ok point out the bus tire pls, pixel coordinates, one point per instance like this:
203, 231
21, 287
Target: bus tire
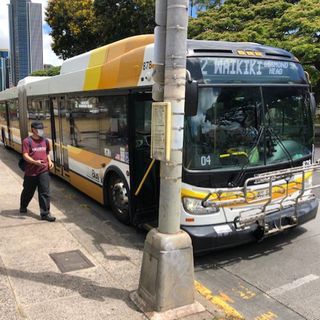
118, 196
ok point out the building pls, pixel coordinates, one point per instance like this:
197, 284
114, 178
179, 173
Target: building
26, 42
4, 69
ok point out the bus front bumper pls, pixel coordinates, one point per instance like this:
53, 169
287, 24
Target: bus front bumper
214, 237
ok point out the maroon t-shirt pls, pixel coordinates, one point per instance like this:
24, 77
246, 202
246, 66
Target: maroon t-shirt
38, 151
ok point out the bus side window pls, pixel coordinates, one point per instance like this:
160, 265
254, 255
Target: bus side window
83, 123
113, 127
3, 114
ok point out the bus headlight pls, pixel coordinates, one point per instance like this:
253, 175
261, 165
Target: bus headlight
194, 206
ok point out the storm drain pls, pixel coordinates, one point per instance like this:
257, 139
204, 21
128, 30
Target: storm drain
71, 261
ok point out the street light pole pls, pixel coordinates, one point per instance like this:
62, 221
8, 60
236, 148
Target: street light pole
167, 273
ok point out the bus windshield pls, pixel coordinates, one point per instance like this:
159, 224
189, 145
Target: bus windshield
248, 126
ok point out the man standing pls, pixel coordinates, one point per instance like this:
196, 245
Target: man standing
35, 151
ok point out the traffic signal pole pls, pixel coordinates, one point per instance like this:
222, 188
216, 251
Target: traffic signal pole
166, 286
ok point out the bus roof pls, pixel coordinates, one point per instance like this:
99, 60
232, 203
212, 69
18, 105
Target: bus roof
128, 63
105, 54
9, 94
226, 48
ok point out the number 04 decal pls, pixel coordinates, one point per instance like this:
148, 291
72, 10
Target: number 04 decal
205, 160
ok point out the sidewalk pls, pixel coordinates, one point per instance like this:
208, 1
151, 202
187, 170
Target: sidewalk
31, 284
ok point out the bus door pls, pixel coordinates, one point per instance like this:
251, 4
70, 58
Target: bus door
144, 186
11, 120
6, 133
60, 135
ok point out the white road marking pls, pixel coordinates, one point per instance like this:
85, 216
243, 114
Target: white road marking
293, 285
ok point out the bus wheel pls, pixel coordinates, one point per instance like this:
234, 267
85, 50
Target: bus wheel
118, 195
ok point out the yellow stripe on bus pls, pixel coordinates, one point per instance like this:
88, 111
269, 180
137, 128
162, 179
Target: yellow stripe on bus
278, 191
117, 65
93, 73
91, 189
88, 158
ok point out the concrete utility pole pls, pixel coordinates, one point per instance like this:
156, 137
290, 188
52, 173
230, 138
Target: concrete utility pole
167, 273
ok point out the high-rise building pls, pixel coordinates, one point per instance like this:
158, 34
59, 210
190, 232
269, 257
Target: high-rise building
26, 42
4, 69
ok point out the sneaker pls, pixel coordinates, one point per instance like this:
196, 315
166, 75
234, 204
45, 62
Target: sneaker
48, 217
23, 210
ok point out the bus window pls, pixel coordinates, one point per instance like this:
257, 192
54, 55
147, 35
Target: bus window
44, 116
13, 114
99, 124
3, 115
113, 134
225, 131
84, 123
289, 117
32, 112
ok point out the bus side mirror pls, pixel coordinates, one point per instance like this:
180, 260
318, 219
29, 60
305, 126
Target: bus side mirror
191, 98
313, 103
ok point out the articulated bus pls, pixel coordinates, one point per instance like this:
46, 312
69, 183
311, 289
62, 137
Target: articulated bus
248, 139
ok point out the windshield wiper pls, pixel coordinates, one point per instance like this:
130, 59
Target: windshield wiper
240, 174
281, 145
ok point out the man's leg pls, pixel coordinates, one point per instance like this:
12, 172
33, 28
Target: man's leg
29, 187
44, 196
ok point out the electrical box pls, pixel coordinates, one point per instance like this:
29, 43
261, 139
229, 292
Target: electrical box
161, 131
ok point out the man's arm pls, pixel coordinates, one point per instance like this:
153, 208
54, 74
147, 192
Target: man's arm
30, 160
50, 164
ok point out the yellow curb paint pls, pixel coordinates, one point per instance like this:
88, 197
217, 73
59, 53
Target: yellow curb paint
220, 301
267, 316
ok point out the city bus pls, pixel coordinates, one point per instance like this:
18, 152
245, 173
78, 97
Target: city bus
248, 155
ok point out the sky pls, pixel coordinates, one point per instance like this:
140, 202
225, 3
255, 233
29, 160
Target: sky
49, 57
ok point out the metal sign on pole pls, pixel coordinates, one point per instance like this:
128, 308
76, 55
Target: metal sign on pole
161, 131
167, 273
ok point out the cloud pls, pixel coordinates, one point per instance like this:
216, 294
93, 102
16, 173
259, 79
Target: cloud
4, 30
49, 57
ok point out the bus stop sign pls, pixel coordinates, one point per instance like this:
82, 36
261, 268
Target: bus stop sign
161, 131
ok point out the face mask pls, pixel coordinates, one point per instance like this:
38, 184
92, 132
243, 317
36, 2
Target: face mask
40, 132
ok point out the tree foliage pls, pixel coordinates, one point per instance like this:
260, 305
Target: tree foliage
239, 20
118, 19
53, 71
290, 24
81, 25
300, 27
73, 25
203, 4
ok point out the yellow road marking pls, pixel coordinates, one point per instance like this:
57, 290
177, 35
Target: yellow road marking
267, 316
244, 293
221, 301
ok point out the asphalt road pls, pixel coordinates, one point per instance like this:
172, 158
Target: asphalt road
278, 278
